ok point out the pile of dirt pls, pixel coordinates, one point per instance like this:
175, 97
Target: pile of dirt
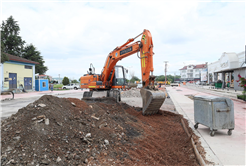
60, 131
131, 93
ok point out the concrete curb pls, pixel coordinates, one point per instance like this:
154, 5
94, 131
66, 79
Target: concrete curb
216, 92
210, 155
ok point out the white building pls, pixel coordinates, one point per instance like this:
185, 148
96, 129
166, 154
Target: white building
192, 72
227, 69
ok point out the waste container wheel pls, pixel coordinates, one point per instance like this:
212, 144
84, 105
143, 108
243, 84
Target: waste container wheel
196, 125
229, 132
212, 133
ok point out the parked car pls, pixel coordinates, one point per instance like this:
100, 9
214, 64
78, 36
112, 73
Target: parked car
175, 83
71, 86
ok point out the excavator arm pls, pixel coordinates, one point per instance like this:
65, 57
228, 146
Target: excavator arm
145, 47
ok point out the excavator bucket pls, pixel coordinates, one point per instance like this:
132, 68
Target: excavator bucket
152, 101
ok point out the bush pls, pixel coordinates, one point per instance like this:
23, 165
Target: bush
242, 83
243, 97
65, 81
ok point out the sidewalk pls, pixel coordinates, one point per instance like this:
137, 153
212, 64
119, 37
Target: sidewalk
221, 149
228, 92
39, 93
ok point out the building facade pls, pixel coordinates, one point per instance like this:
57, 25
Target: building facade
227, 68
192, 72
17, 73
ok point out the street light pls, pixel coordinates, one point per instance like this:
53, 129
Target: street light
165, 72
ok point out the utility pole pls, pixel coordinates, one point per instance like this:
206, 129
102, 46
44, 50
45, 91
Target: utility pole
165, 72
174, 76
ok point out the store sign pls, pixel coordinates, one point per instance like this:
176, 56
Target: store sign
224, 65
224, 61
204, 76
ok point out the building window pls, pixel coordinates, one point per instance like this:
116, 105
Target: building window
44, 84
190, 71
28, 67
197, 70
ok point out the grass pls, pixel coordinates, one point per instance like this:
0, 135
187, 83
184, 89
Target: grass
58, 86
56, 89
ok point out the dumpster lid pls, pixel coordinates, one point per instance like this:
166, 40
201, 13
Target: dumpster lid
210, 98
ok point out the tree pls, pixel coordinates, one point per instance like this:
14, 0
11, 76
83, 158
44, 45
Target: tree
170, 78
74, 81
30, 52
11, 42
134, 78
4, 57
65, 81
132, 73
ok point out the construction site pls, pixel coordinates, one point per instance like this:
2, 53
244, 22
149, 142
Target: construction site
99, 131
110, 122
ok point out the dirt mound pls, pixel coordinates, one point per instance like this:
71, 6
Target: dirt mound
60, 131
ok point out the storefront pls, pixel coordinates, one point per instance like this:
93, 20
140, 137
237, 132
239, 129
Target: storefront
227, 68
17, 73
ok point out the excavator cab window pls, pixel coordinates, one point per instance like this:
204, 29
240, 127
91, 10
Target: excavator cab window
119, 76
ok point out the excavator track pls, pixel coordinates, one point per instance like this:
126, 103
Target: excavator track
152, 101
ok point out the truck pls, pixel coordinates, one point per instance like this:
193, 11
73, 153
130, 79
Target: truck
71, 86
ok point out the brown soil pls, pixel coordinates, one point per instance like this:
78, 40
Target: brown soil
94, 132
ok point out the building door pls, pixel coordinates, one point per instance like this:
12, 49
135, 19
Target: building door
28, 83
12, 80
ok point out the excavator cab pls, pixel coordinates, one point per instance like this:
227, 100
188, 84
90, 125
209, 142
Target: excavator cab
119, 76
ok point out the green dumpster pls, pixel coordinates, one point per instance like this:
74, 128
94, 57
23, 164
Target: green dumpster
218, 85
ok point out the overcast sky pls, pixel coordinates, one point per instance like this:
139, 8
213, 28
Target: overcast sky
71, 35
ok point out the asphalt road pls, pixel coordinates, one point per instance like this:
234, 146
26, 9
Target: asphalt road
9, 107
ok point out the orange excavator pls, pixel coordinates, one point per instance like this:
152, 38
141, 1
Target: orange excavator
112, 79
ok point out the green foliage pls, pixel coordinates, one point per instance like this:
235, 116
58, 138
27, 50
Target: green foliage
65, 81
74, 81
58, 85
134, 78
242, 83
30, 52
48, 78
243, 97
10, 40
12, 43
170, 78
4, 57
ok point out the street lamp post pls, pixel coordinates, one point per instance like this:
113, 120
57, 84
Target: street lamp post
165, 72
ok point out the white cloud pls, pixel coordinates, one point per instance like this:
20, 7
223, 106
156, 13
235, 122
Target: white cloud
71, 35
